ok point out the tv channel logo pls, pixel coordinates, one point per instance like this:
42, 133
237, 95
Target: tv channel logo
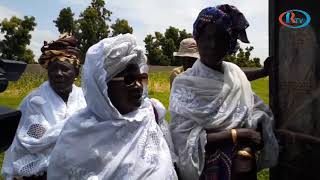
295, 18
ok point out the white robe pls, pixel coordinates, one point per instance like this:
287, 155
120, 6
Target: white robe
44, 113
202, 98
101, 144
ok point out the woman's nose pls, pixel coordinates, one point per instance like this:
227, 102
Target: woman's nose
59, 73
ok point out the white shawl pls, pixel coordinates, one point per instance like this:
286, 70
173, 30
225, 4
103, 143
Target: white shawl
100, 143
44, 114
202, 98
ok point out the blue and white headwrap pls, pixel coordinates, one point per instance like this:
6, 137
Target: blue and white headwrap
229, 18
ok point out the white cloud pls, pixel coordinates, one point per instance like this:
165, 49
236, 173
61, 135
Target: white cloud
148, 16
8, 13
75, 2
38, 36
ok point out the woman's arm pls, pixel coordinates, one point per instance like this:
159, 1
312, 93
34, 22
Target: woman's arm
259, 73
221, 138
255, 74
244, 136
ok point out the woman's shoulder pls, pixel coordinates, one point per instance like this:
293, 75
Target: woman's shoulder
81, 119
36, 96
230, 64
77, 89
159, 107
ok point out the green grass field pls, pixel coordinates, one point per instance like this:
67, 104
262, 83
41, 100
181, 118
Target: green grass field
158, 88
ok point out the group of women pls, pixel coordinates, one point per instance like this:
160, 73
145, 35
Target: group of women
111, 129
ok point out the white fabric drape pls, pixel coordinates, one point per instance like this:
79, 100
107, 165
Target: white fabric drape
202, 98
44, 114
101, 144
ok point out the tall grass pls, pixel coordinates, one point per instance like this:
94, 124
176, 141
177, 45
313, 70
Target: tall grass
27, 83
24, 85
159, 86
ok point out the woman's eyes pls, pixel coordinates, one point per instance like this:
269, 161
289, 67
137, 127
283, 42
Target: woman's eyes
129, 79
65, 69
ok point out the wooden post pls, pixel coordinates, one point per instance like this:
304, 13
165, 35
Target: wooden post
295, 89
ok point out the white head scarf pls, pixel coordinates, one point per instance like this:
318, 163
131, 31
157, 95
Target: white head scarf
100, 143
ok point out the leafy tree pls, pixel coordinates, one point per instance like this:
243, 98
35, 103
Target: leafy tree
28, 57
92, 25
173, 34
160, 47
121, 26
168, 47
16, 38
183, 35
154, 53
65, 21
257, 62
242, 58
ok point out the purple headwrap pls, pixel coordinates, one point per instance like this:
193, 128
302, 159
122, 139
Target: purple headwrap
229, 18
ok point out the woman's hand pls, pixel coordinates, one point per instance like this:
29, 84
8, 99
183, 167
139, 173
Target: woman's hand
249, 137
267, 66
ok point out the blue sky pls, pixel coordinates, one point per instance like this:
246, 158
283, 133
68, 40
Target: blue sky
145, 16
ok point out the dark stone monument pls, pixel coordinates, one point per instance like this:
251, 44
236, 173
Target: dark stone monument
295, 91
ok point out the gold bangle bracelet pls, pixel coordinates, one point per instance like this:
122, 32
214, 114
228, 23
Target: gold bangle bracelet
234, 136
245, 154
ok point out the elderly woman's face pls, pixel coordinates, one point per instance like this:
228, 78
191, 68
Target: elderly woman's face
213, 44
61, 76
125, 90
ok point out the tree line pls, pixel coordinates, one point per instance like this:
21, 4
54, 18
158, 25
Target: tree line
94, 24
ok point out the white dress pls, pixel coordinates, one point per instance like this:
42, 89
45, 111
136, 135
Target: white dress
44, 113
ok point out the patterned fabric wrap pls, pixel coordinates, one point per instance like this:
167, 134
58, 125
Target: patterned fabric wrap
226, 16
218, 165
202, 98
65, 49
54, 55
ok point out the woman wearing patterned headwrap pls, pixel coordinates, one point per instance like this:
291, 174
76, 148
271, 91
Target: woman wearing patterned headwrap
218, 124
45, 110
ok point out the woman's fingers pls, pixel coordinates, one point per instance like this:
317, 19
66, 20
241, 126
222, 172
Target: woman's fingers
249, 136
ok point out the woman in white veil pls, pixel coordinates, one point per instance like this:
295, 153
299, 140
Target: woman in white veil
117, 136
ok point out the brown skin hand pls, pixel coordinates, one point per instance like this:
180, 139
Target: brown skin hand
260, 73
123, 97
61, 78
245, 138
